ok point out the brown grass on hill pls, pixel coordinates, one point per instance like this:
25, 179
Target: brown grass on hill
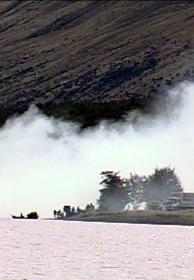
58, 54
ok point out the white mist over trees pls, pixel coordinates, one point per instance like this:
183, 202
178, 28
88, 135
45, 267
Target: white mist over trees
46, 162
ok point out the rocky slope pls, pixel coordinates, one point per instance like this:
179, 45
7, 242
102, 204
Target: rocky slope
88, 60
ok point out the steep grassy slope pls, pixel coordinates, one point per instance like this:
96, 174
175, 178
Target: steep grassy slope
89, 60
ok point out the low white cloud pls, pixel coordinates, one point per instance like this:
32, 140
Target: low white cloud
46, 163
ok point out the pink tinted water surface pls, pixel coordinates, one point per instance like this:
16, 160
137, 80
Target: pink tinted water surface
57, 250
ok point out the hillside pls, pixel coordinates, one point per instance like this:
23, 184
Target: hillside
89, 60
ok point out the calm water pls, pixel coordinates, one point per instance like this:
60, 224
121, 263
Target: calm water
57, 250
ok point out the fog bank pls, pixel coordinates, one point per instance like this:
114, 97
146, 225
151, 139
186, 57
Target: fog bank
46, 163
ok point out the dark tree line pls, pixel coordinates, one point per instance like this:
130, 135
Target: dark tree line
69, 211
117, 192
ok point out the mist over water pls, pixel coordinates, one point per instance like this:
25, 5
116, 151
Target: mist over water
46, 163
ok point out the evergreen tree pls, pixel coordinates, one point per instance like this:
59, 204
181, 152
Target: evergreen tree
114, 194
162, 184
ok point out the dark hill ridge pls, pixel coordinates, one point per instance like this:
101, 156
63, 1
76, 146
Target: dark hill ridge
88, 60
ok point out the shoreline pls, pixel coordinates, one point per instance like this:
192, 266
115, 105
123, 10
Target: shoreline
181, 217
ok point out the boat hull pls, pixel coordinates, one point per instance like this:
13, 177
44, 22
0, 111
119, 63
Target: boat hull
23, 218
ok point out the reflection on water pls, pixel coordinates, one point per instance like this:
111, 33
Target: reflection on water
57, 250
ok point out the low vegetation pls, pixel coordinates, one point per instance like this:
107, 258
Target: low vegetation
184, 217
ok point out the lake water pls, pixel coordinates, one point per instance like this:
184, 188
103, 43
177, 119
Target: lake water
57, 250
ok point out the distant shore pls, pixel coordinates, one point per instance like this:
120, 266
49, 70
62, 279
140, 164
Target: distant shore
181, 217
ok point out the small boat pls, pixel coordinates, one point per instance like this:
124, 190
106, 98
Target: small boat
17, 217
32, 215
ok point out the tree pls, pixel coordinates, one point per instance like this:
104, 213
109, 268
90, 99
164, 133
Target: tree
161, 184
73, 211
79, 210
135, 185
114, 194
90, 208
67, 210
59, 214
55, 214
